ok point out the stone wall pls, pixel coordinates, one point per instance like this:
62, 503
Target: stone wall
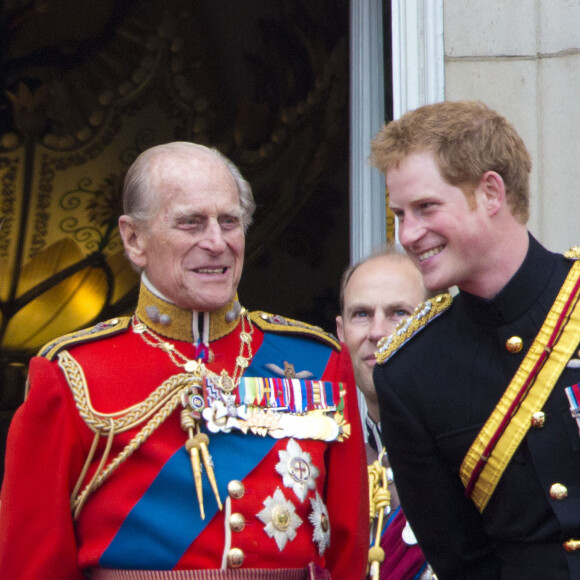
522, 58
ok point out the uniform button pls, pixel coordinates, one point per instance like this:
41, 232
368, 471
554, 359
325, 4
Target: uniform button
514, 344
237, 522
235, 558
572, 545
538, 419
558, 491
236, 489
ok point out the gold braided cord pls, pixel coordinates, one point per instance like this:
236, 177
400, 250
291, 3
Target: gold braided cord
573, 253
129, 449
126, 418
88, 462
91, 486
155, 409
379, 501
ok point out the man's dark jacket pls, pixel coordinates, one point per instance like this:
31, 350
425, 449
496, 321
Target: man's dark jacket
435, 394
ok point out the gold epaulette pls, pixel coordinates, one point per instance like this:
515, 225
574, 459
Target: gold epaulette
100, 330
276, 323
406, 329
573, 253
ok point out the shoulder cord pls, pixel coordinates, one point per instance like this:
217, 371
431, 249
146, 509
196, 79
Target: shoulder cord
379, 500
158, 405
423, 314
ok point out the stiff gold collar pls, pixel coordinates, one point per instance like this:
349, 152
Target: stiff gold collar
171, 321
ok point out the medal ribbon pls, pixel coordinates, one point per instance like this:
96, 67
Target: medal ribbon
573, 394
291, 395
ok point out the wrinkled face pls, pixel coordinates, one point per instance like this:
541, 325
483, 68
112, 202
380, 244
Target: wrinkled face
192, 250
445, 236
380, 293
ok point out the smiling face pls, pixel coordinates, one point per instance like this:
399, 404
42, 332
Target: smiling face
446, 234
380, 293
192, 250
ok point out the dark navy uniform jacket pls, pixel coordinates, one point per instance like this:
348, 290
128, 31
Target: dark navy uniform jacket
435, 394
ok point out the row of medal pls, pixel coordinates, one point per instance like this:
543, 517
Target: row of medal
223, 412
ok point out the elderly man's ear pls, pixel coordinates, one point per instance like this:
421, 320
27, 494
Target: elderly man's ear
133, 237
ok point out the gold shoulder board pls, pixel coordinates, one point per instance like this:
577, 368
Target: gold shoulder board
100, 330
406, 329
573, 253
276, 323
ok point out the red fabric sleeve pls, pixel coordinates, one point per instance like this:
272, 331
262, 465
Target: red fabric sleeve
44, 455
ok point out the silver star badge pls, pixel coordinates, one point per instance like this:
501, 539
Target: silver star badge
296, 468
320, 521
280, 518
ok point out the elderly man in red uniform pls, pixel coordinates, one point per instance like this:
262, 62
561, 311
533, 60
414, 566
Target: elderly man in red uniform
193, 439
